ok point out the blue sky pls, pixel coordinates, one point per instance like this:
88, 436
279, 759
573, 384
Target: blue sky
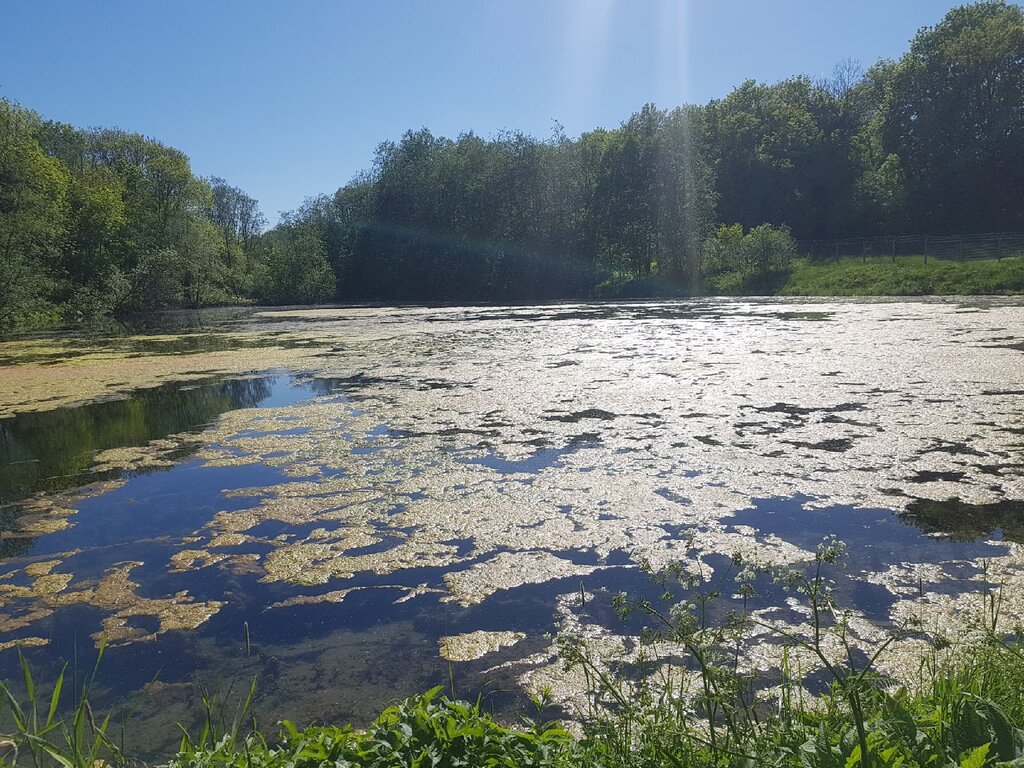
288, 99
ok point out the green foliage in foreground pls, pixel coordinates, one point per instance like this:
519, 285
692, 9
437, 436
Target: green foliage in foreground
970, 716
699, 708
907, 277
425, 730
966, 707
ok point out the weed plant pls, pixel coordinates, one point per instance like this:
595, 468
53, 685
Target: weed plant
425, 730
967, 709
41, 733
687, 699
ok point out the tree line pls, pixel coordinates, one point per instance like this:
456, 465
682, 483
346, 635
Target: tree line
671, 200
103, 221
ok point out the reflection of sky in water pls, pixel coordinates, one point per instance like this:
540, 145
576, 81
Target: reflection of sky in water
171, 503
643, 419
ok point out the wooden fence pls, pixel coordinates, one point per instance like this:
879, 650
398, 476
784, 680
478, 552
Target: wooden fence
996, 245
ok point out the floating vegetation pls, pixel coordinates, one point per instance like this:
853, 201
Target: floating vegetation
474, 645
507, 570
41, 516
484, 453
156, 454
73, 377
117, 593
24, 642
42, 568
191, 559
114, 593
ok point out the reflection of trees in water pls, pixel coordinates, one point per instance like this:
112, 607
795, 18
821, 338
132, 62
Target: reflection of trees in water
53, 450
330, 386
11, 546
968, 522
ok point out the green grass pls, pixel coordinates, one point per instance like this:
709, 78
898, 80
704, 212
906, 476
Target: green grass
969, 715
908, 276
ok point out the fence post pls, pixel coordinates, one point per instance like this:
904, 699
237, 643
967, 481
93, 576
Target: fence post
999, 249
926, 249
894, 250
960, 249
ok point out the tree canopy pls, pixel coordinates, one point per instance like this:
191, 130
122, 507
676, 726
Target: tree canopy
97, 221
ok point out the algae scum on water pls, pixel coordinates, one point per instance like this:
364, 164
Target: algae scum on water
378, 493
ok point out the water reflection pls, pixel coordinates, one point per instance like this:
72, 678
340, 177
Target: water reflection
968, 522
51, 451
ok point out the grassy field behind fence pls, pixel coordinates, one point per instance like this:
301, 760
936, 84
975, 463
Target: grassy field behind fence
906, 276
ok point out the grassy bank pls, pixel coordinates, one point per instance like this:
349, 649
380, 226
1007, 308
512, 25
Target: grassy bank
954, 724
851, 276
908, 276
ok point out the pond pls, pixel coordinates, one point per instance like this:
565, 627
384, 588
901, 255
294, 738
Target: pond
355, 504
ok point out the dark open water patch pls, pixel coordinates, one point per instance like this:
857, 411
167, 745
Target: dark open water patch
878, 537
171, 502
539, 460
968, 522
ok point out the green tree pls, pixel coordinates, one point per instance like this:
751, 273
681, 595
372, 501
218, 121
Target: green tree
33, 216
237, 216
292, 267
735, 262
953, 117
767, 143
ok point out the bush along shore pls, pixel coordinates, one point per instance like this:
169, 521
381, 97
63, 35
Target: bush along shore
686, 700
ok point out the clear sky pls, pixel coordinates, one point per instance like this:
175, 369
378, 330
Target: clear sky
288, 98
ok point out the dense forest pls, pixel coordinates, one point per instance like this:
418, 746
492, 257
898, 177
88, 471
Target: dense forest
99, 221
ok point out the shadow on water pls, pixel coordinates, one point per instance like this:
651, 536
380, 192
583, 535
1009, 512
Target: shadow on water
876, 539
879, 537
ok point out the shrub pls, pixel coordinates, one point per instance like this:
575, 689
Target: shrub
755, 262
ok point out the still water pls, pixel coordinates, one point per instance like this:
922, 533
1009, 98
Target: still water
317, 497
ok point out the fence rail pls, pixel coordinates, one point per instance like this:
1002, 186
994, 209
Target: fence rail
994, 245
